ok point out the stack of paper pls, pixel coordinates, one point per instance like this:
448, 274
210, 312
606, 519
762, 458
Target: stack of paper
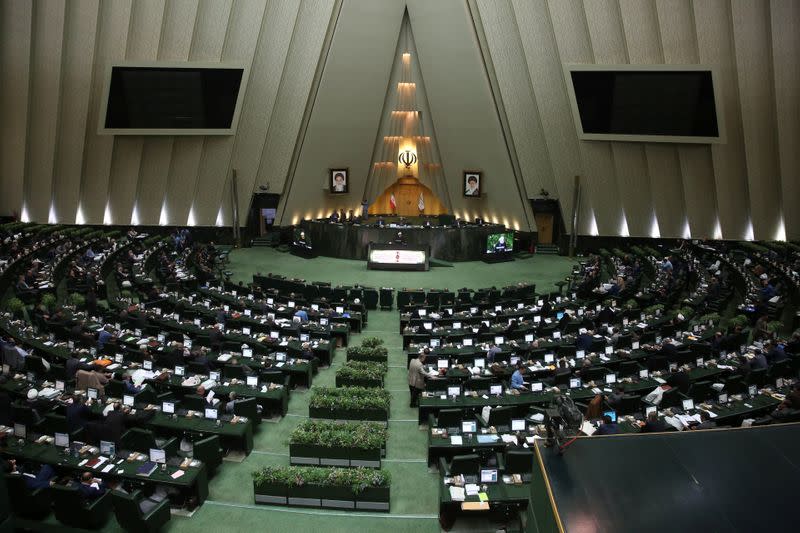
457, 494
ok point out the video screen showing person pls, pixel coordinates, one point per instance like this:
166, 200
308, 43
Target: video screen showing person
500, 243
301, 238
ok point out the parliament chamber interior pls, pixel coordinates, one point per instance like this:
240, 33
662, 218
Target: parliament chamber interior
360, 265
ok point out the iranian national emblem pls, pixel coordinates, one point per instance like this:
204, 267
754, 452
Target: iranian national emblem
397, 257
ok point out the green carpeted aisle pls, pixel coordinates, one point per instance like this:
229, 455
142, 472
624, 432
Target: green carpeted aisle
414, 492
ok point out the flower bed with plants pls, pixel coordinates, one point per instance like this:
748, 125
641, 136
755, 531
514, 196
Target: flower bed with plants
309, 486
361, 374
327, 443
349, 403
371, 349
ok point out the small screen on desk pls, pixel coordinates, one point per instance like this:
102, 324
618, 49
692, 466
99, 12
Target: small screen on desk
252, 381
574, 383
168, 408
518, 424
480, 362
468, 342
469, 426
442, 363
213, 376
495, 390
611, 414
499, 340
688, 405
127, 399
62, 440
158, 456
537, 387
489, 476
611, 378
529, 337
211, 413
454, 391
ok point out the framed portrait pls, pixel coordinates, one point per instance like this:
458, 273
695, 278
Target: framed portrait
338, 180
472, 183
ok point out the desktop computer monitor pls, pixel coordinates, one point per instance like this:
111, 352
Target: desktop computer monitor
245, 331
270, 301
611, 379
147, 365
168, 407
473, 310
559, 315
305, 337
537, 387
213, 375
574, 383
179, 370
161, 338
454, 391
290, 305
315, 307
611, 414
252, 381
456, 325
247, 352
688, 405
722, 398
518, 424
529, 337
435, 343
280, 356
211, 414
495, 390
499, 340
489, 475
609, 350
62, 440
549, 358
323, 321
127, 400
752, 390
469, 426
422, 312
480, 362
498, 308
442, 363
20, 431
513, 360
91, 393
107, 448
556, 334
644, 373
580, 354
339, 309
158, 456
468, 342
274, 334
59, 384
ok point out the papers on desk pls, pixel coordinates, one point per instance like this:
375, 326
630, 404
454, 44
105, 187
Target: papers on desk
177, 474
509, 439
224, 357
457, 494
107, 468
659, 380
588, 428
456, 440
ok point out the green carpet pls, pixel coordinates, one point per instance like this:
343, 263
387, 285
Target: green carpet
414, 491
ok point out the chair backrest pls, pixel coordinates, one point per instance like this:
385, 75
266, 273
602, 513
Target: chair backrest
126, 509
757, 377
449, 418
500, 416
670, 398
115, 388
208, 451
71, 509
629, 404
519, 461
468, 464
23, 414
233, 372
628, 368
247, 407
138, 439
273, 376
193, 402
197, 368
700, 390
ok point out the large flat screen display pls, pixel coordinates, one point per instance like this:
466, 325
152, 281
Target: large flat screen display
172, 99
644, 105
497, 243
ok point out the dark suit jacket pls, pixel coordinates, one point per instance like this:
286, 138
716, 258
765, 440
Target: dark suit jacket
654, 427
90, 493
77, 416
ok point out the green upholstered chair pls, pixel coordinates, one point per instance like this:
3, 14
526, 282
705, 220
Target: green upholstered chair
72, 510
130, 516
208, 451
25, 502
247, 407
141, 440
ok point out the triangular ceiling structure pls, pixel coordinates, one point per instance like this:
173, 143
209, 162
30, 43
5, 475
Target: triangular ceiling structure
348, 110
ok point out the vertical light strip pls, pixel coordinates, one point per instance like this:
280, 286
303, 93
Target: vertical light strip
79, 218
51, 216
780, 235
135, 215
655, 231
593, 224
162, 218
107, 214
687, 230
717, 229
221, 221
24, 217
623, 227
748, 234
190, 219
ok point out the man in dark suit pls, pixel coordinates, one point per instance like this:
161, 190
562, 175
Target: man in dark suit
679, 380
584, 341
77, 414
215, 338
91, 488
654, 424
74, 364
607, 427
775, 352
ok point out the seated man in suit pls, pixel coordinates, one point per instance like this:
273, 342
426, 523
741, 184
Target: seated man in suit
607, 427
91, 487
584, 340
654, 424
78, 414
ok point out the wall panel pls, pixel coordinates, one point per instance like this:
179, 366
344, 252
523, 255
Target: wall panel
16, 22
753, 46
111, 43
785, 19
80, 31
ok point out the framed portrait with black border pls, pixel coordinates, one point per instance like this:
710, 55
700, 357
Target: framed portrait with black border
339, 179
472, 183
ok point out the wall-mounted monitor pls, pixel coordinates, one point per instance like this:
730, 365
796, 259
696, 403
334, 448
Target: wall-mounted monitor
648, 103
172, 98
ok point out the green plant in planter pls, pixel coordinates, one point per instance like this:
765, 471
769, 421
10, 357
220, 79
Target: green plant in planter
631, 304
710, 317
774, 326
653, 308
125, 294
49, 301
371, 370
359, 435
372, 342
357, 479
349, 398
15, 306
738, 320
78, 300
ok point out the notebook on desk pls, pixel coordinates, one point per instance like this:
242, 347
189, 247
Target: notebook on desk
146, 469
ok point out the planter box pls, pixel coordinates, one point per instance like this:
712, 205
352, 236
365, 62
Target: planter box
270, 493
373, 358
312, 454
373, 499
306, 495
356, 382
349, 414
